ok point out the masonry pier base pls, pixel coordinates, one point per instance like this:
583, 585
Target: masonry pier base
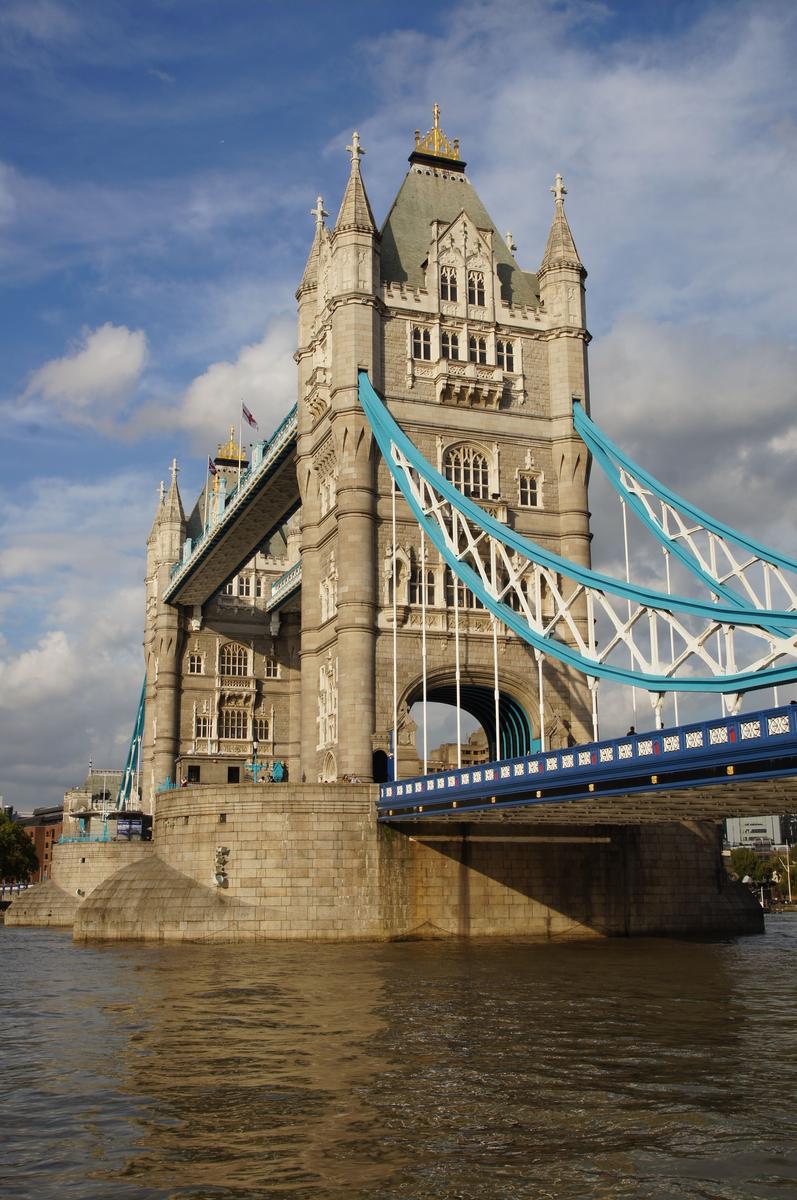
311, 863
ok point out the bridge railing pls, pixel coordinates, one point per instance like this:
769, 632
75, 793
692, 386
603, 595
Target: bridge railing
646, 755
267, 453
287, 582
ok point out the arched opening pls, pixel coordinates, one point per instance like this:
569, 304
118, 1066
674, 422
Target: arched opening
381, 767
516, 734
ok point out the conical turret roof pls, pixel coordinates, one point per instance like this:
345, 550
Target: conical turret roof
355, 211
560, 249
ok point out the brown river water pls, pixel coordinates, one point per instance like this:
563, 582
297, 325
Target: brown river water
650, 1068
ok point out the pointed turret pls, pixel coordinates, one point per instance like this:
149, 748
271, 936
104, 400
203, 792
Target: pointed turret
310, 276
172, 510
355, 211
560, 250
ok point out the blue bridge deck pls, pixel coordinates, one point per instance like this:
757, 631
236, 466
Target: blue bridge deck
737, 765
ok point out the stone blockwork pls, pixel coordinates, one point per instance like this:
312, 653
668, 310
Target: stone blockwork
310, 863
78, 868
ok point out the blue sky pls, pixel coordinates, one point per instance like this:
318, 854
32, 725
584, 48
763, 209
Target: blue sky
157, 167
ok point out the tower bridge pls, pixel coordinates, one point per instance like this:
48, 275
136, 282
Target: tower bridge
417, 529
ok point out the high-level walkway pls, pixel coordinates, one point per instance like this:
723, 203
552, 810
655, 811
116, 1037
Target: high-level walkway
267, 494
732, 766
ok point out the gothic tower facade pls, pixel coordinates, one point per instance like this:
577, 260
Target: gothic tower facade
479, 361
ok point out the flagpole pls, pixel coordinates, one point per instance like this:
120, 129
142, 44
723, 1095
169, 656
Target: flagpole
207, 494
240, 439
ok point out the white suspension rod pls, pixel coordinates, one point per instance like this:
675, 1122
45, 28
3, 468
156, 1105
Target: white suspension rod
395, 640
423, 652
672, 631
457, 676
628, 580
496, 692
541, 701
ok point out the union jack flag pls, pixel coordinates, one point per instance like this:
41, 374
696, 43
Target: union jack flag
212, 468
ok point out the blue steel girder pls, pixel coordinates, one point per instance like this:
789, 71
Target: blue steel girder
495, 562
266, 497
733, 754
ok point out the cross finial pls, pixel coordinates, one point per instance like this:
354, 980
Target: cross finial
162, 491
355, 150
510, 242
174, 469
559, 190
319, 212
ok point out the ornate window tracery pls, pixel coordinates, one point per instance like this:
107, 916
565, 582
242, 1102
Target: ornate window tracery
467, 468
201, 726
421, 342
196, 664
234, 659
271, 669
476, 288
448, 283
234, 723
328, 703
449, 344
477, 350
260, 727
505, 355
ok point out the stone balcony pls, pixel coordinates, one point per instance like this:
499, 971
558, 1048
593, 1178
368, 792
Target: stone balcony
472, 385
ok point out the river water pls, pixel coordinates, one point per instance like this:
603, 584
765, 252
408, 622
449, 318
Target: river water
650, 1068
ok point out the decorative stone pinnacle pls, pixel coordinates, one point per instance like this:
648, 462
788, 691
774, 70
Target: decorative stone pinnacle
510, 242
318, 212
559, 190
355, 150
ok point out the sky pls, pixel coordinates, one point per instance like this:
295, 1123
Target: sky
158, 164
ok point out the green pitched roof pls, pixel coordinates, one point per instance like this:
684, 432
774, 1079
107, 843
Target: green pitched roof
407, 233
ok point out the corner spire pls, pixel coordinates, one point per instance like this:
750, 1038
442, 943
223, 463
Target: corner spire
355, 211
310, 275
172, 509
560, 249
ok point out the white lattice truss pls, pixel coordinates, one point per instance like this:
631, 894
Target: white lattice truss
764, 583
669, 647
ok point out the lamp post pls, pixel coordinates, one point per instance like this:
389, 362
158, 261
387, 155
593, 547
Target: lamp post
255, 747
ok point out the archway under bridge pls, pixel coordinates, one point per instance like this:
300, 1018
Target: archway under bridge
516, 730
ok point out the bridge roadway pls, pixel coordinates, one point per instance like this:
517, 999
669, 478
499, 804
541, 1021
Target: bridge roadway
268, 493
733, 766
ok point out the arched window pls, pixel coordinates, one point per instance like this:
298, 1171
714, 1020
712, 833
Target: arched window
448, 283
421, 342
261, 728
195, 665
466, 467
271, 669
234, 659
476, 288
416, 585
528, 490
258, 587
505, 355
449, 344
465, 598
234, 723
477, 349
229, 587
245, 585
201, 726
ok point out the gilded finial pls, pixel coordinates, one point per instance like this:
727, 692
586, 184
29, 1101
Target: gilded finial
435, 142
231, 450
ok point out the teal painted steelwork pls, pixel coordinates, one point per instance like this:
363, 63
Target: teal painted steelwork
133, 759
387, 432
607, 455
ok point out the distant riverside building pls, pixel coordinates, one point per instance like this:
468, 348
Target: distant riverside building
753, 831
474, 750
479, 359
44, 829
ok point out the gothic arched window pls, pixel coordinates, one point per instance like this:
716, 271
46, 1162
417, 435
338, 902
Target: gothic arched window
261, 728
505, 355
448, 283
476, 288
421, 342
466, 467
234, 659
234, 723
449, 344
195, 665
477, 349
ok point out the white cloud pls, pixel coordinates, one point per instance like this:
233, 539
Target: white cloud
263, 376
71, 560
101, 371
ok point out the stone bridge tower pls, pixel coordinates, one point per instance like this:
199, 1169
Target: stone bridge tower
479, 362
